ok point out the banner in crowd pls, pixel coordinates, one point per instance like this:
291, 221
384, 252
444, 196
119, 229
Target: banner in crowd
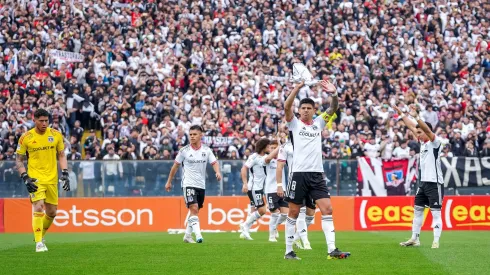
153, 215
377, 177
217, 141
67, 56
396, 213
272, 78
267, 109
1, 216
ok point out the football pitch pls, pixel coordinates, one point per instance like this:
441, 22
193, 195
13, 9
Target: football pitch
224, 253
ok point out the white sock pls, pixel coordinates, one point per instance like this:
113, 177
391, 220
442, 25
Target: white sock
437, 223
290, 230
273, 224
418, 219
282, 218
194, 222
252, 218
304, 232
329, 231
188, 229
301, 223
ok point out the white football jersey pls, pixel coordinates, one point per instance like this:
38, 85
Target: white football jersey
193, 163
271, 181
257, 172
430, 161
307, 145
285, 154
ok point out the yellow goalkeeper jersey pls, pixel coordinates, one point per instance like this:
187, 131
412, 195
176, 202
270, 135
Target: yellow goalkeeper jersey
42, 152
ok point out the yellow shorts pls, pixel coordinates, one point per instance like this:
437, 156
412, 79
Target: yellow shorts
46, 192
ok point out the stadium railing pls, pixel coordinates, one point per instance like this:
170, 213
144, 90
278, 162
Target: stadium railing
465, 176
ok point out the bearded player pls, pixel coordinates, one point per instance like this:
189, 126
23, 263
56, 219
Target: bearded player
41, 146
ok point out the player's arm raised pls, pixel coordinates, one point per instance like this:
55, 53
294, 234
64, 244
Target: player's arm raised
409, 123
328, 87
288, 105
421, 123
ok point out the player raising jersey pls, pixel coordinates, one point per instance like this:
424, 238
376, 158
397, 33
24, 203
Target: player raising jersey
307, 212
308, 181
430, 191
277, 206
254, 186
193, 158
41, 146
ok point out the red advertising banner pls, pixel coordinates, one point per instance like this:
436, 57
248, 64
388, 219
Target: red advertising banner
153, 214
1, 216
396, 213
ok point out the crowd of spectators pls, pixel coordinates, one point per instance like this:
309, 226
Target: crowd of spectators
143, 72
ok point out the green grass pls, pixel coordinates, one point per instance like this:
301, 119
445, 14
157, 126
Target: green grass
225, 253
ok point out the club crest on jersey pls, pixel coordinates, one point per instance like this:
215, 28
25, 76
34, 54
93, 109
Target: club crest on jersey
314, 127
204, 154
51, 139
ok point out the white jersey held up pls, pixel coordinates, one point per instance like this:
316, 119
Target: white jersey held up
430, 161
194, 163
257, 172
307, 145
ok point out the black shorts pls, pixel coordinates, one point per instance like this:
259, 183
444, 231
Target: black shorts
194, 195
429, 194
309, 203
275, 202
307, 187
256, 198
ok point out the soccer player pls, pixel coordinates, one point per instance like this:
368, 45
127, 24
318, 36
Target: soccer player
41, 146
254, 186
193, 159
307, 213
307, 180
430, 191
277, 206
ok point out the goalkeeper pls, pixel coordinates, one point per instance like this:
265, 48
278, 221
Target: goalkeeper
41, 146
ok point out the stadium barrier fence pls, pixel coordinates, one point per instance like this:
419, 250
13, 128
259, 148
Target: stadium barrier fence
358, 177
225, 213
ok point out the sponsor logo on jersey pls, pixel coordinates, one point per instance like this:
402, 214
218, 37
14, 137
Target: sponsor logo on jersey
51, 139
308, 134
190, 156
196, 161
44, 148
204, 154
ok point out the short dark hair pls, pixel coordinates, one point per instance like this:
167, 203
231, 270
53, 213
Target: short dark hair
261, 144
307, 100
40, 112
274, 142
196, 128
428, 124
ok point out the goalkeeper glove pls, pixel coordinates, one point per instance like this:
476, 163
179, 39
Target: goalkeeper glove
29, 182
65, 180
